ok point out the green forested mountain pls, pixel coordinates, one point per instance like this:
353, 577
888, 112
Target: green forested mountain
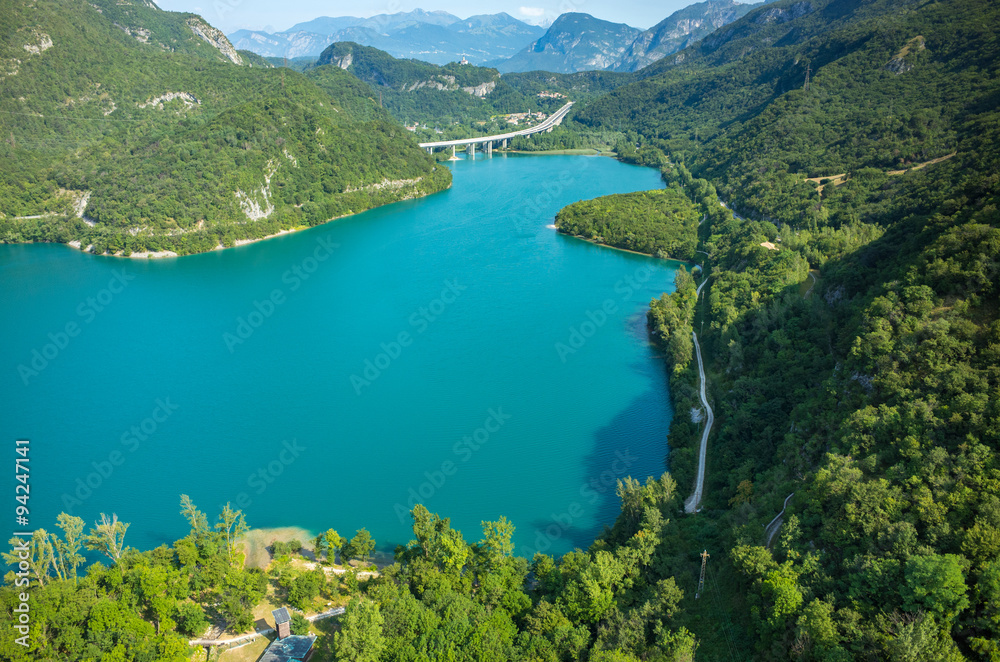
440, 102
166, 138
438, 96
850, 325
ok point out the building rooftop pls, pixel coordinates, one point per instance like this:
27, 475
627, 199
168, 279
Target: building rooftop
290, 649
281, 615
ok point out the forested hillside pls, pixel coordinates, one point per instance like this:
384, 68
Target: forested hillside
205, 147
454, 99
850, 325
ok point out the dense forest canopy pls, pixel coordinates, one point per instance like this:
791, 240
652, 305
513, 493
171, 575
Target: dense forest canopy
663, 222
850, 320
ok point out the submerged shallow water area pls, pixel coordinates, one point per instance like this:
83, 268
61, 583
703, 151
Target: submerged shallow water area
454, 351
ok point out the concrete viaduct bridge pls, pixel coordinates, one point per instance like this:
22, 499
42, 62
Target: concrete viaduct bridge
487, 141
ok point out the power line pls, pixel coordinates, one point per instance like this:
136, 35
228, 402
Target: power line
734, 650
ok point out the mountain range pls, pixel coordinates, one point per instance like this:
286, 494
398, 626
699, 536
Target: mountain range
574, 42
437, 37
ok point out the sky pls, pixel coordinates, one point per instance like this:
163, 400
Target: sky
272, 16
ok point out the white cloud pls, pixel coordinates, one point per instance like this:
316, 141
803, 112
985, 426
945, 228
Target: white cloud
534, 12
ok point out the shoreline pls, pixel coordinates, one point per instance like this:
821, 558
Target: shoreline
625, 250
581, 151
158, 255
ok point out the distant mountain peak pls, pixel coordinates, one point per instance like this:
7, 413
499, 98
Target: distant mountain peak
574, 42
679, 30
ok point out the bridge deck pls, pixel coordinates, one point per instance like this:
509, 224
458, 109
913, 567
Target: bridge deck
552, 120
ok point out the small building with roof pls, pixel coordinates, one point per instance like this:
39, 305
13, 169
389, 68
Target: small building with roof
287, 647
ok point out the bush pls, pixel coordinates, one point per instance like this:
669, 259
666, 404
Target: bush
191, 619
290, 547
300, 625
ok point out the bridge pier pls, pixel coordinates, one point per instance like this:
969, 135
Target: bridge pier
505, 143
471, 150
453, 152
489, 148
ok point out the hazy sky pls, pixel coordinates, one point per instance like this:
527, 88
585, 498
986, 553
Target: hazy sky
231, 15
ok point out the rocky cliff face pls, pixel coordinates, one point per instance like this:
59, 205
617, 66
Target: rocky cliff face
574, 42
216, 38
678, 31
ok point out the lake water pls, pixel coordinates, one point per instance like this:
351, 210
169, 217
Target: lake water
453, 350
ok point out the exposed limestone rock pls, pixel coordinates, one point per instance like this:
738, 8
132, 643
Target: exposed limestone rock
385, 183
41, 43
216, 38
345, 61
903, 60
253, 208
482, 89
140, 34
188, 99
783, 14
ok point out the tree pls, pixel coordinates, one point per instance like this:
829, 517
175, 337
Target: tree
108, 537
197, 519
360, 638
240, 592
678, 646
300, 624
319, 546
306, 587
936, 584
232, 524
68, 557
497, 541
360, 547
190, 618
40, 557
333, 543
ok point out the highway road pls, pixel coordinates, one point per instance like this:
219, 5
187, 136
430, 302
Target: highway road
550, 121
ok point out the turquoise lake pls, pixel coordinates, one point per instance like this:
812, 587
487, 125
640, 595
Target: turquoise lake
453, 349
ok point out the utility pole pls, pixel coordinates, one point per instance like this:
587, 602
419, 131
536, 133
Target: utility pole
701, 580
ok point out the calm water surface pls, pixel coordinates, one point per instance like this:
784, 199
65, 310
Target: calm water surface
453, 349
